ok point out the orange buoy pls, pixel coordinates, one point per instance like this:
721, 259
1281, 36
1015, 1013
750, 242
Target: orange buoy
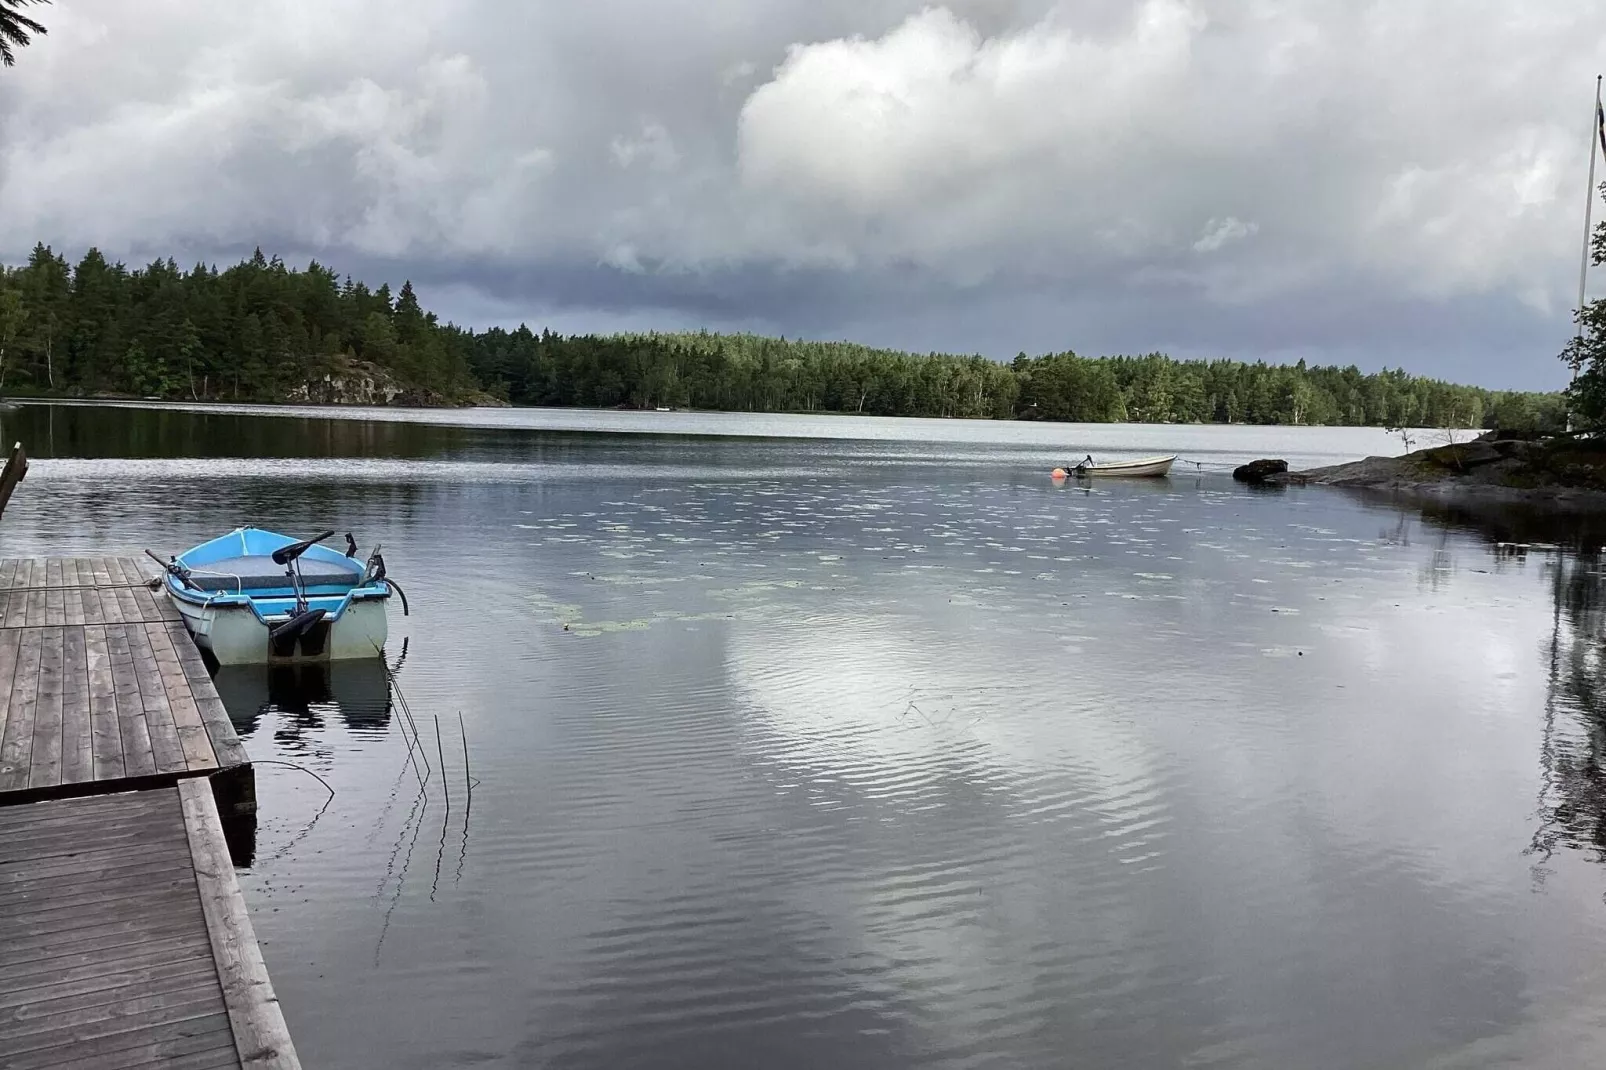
1059, 473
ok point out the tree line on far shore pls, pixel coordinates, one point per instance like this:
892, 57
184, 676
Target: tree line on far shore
262, 331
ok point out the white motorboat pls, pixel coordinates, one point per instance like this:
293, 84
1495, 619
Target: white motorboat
1141, 466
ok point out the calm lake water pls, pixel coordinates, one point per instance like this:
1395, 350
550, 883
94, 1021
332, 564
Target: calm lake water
870, 747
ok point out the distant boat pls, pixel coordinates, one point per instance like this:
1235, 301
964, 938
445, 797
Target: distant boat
1142, 466
255, 597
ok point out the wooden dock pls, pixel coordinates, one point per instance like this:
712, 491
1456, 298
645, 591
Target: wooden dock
100, 683
124, 940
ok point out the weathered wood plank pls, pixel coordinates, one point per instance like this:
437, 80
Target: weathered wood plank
100, 985
7, 598
55, 597
226, 746
103, 960
192, 729
153, 697
16, 746
89, 596
260, 1033
154, 604
150, 898
45, 761
102, 924
42, 824
68, 847
127, 1047
77, 740
27, 952
36, 595
17, 600
8, 573
46, 906
72, 594
165, 610
77, 833
103, 806
105, 596
70, 1026
9, 640
139, 756
213, 1059
126, 599
106, 737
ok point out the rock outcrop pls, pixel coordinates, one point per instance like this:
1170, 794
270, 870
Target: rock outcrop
1569, 472
358, 383
1259, 471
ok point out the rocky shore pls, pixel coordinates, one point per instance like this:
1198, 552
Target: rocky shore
1561, 472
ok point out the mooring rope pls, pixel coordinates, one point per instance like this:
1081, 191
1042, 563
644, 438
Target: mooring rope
79, 587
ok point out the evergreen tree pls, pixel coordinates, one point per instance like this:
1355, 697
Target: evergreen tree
259, 330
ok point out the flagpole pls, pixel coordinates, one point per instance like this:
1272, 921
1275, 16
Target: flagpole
1589, 206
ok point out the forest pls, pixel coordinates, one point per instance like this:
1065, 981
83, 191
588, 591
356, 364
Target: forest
262, 331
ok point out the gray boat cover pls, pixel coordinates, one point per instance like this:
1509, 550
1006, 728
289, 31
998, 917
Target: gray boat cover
257, 572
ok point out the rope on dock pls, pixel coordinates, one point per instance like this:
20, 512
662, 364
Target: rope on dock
80, 587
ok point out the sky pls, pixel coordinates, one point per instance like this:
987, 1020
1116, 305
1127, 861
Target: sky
1394, 183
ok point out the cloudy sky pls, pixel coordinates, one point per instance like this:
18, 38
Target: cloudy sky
1397, 182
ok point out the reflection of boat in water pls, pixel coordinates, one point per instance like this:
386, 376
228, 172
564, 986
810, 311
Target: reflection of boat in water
307, 695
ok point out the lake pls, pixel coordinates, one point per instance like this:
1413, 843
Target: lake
822, 741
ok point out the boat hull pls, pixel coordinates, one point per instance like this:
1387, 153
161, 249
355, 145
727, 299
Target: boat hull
234, 635
1143, 467
232, 595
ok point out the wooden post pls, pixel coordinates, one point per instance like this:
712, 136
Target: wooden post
16, 468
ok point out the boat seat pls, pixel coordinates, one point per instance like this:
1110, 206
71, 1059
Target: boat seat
257, 572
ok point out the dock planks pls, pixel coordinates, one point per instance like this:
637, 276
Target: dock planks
124, 940
99, 682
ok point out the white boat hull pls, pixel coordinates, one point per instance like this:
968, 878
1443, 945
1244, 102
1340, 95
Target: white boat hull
235, 636
1142, 466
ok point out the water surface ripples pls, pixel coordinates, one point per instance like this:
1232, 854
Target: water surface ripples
793, 754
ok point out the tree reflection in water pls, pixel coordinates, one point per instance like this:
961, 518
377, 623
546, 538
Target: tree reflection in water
1571, 811
1572, 802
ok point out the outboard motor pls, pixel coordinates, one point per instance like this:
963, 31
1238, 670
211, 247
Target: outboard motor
283, 637
375, 570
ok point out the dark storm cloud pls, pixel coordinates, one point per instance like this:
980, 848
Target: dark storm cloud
1389, 182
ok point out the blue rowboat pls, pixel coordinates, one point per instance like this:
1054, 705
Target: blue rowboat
255, 596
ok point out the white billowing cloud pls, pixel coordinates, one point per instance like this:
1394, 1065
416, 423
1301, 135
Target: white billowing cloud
651, 146
1350, 129
932, 115
379, 161
1221, 176
1220, 232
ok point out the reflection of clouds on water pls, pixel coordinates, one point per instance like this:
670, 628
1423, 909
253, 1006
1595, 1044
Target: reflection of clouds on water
1151, 774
